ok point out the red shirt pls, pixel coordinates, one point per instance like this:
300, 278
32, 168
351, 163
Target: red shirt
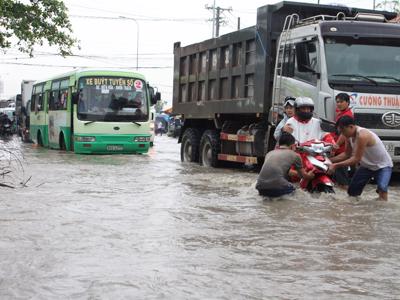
339, 114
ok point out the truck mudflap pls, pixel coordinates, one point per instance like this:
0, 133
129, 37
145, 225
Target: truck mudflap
238, 158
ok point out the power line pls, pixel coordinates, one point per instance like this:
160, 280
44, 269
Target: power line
44, 53
65, 66
143, 17
86, 57
139, 19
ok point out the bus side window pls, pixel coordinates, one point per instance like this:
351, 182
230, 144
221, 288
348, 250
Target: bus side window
40, 102
63, 97
33, 103
51, 97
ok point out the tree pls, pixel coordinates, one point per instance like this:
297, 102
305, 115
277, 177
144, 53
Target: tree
390, 5
26, 25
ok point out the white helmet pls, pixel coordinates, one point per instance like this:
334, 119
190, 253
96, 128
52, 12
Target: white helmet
304, 102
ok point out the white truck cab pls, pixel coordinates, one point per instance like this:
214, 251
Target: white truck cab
323, 56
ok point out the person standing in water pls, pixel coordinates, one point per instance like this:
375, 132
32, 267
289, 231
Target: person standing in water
363, 147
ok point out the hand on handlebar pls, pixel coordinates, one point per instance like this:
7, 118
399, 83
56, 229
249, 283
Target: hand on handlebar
309, 175
331, 169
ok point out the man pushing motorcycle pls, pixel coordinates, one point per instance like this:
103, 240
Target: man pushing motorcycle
276, 170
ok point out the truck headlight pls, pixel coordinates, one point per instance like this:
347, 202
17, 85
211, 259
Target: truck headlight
139, 139
85, 138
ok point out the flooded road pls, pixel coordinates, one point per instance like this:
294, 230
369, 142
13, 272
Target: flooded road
150, 227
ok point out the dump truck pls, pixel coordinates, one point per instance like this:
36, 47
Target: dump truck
230, 90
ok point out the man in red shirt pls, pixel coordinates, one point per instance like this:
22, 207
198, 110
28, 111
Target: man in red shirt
343, 106
342, 109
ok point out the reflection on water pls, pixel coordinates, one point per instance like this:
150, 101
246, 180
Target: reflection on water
148, 226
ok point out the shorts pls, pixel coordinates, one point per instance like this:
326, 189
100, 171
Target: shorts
363, 175
277, 192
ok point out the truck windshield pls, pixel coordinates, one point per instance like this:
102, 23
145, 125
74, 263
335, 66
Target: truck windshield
112, 99
372, 61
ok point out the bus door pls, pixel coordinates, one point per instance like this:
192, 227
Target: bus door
58, 117
38, 117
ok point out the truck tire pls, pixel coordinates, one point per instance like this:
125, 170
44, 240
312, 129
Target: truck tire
190, 145
209, 149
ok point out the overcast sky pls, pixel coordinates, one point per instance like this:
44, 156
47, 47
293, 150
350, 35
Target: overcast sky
108, 42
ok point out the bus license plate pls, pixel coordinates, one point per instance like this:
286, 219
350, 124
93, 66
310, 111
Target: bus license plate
115, 147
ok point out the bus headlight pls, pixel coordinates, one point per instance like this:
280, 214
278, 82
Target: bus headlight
85, 138
139, 139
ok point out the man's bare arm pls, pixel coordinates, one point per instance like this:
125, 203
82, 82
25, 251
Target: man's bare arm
362, 142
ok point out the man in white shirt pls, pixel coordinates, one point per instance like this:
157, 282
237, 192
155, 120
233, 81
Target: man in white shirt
302, 125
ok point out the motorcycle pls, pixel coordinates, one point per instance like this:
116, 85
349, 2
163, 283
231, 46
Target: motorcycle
314, 155
6, 129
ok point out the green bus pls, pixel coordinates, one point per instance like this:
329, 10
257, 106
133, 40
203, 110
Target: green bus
93, 111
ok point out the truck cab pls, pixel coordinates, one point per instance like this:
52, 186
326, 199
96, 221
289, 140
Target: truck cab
323, 56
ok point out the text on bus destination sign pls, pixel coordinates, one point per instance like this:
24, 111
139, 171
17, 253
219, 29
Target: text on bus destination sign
113, 81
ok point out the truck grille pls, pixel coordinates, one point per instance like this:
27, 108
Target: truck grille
373, 121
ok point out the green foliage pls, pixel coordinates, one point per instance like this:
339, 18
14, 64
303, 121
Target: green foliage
389, 5
26, 25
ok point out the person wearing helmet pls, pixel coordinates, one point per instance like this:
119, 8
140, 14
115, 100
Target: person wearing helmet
288, 106
302, 125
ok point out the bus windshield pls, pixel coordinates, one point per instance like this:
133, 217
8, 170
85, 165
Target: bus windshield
372, 61
112, 99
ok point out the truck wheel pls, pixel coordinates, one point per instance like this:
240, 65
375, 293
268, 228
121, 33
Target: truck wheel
209, 149
190, 145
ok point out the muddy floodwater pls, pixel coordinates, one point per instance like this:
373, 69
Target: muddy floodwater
150, 227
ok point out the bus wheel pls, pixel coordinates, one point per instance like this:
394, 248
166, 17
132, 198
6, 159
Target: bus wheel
190, 145
209, 149
39, 139
62, 142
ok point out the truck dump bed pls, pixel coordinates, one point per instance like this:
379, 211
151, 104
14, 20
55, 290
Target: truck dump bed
233, 73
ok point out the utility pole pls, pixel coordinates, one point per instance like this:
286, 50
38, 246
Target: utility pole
217, 19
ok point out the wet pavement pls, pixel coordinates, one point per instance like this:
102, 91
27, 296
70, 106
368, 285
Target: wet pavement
150, 227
